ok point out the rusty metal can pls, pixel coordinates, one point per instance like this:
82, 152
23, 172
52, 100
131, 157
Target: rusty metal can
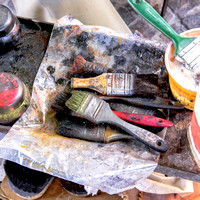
14, 98
9, 28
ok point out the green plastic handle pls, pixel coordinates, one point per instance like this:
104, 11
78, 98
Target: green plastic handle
149, 14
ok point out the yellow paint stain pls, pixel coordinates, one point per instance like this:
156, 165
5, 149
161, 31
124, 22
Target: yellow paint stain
25, 147
119, 40
95, 29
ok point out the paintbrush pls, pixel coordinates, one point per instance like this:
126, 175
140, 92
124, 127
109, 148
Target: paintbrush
96, 110
119, 84
187, 49
82, 67
25, 182
58, 105
155, 102
145, 120
74, 127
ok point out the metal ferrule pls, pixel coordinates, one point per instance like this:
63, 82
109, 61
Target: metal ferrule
9, 27
91, 107
119, 84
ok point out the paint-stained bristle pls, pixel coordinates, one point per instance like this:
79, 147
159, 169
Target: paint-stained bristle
76, 101
78, 65
58, 104
25, 179
146, 86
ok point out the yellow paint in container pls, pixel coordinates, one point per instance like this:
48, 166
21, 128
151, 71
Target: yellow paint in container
181, 80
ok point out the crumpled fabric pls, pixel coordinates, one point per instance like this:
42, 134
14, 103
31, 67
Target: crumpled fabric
33, 141
160, 184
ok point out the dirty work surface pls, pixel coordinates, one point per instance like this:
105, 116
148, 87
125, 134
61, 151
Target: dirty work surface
24, 60
72, 159
182, 15
25, 63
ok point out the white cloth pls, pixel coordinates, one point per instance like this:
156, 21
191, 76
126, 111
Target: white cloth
89, 12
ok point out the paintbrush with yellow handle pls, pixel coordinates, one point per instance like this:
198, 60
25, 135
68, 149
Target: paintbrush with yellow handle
120, 84
90, 107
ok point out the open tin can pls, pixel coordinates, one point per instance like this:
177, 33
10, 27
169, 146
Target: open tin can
14, 98
182, 83
9, 29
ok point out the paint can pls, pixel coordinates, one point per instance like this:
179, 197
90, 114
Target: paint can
9, 29
193, 132
182, 83
14, 98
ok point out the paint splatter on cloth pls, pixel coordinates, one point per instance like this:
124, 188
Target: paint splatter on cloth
33, 140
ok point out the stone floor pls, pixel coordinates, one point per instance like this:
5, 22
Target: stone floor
180, 14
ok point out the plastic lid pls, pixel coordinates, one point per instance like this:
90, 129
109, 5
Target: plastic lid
6, 20
11, 92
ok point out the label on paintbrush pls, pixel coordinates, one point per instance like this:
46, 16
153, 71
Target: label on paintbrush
119, 84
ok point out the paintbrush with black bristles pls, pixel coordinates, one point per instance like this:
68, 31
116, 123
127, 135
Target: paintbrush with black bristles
74, 127
26, 183
92, 108
120, 84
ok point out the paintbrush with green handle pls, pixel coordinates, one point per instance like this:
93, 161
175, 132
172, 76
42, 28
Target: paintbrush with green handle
96, 110
187, 49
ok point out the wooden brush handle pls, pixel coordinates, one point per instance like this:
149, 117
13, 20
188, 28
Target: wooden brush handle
98, 83
146, 137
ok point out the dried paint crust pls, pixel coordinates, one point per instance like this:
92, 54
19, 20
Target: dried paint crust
113, 167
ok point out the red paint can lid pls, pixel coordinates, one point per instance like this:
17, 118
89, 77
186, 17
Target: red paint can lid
11, 92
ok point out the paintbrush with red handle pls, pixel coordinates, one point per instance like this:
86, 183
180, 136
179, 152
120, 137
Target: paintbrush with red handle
90, 107
141, 119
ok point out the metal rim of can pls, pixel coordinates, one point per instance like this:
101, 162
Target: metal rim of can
7, 21
14, 98
9, 29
